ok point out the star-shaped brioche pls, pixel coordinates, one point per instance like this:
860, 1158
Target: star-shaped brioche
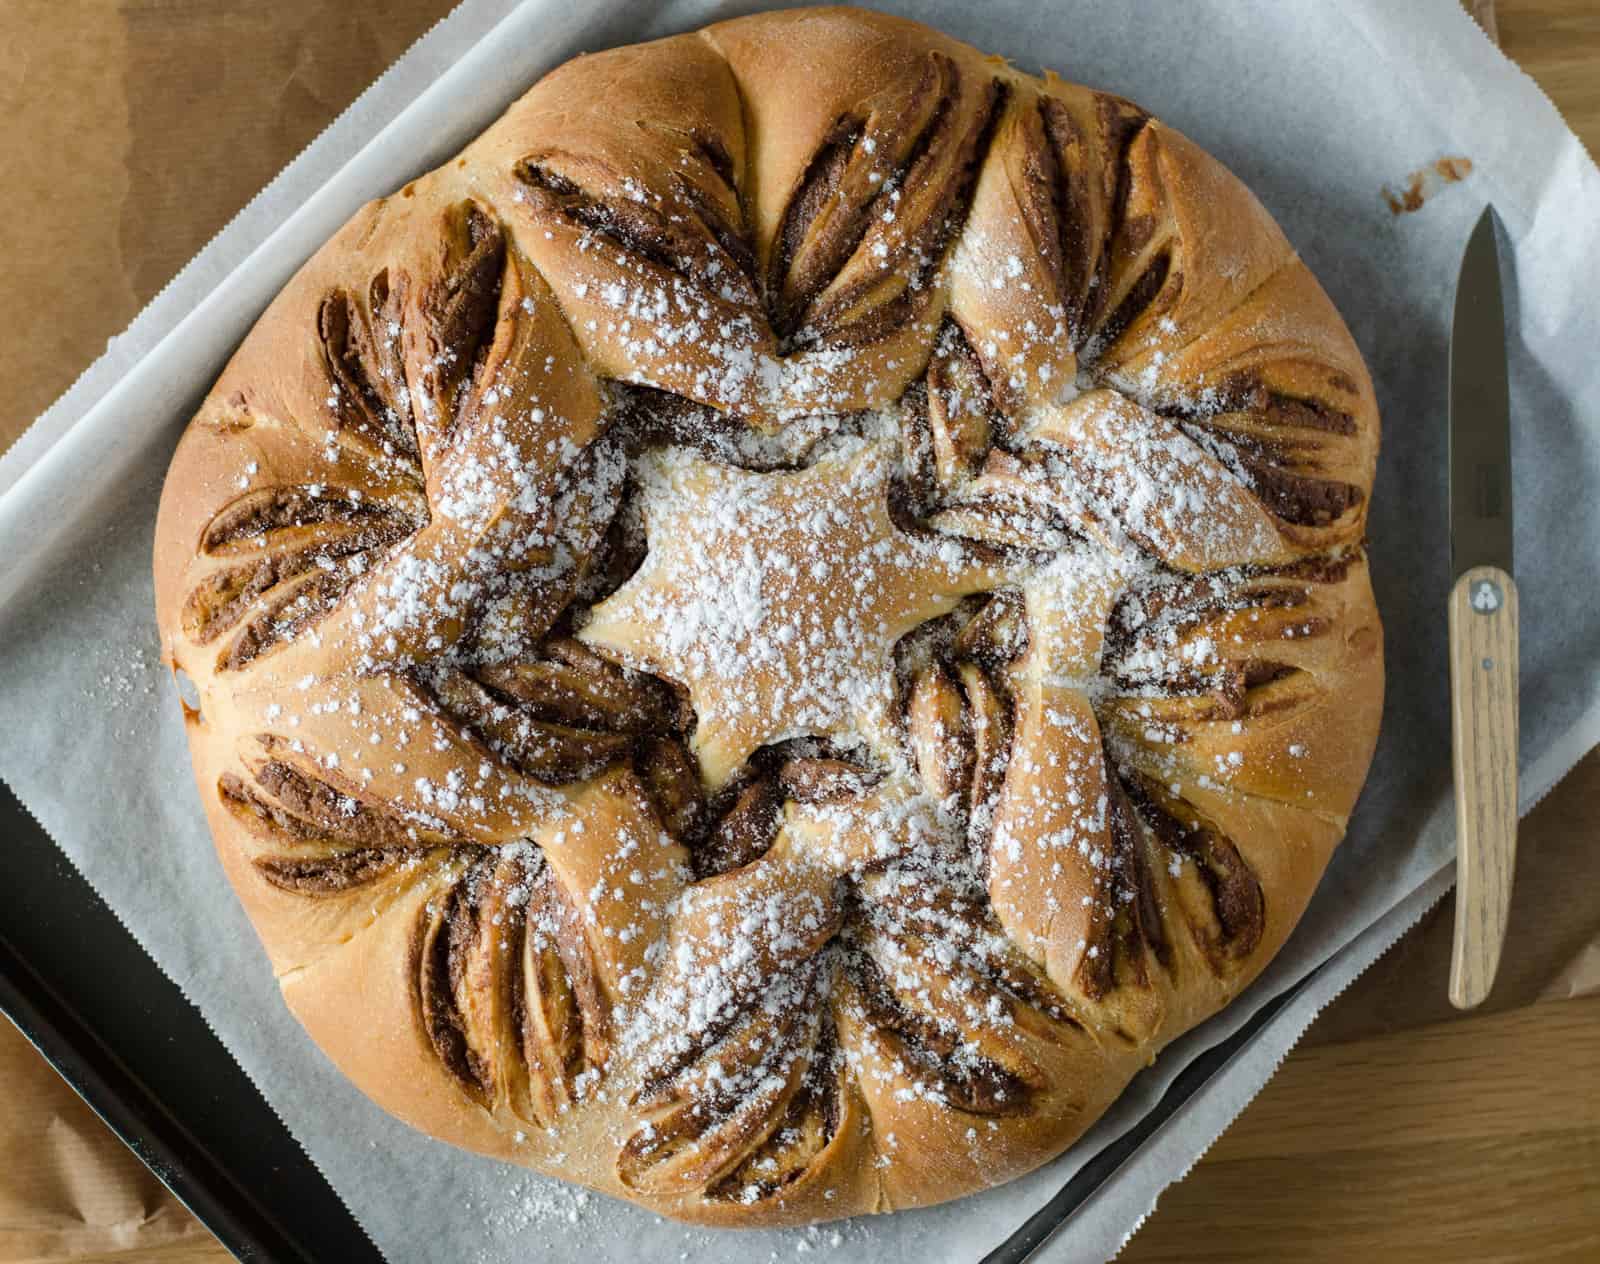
776, 598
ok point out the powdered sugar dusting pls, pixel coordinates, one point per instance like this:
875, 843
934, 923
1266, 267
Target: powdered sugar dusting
776, 598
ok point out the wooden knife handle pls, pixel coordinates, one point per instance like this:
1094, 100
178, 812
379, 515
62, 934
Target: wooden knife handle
1483, 723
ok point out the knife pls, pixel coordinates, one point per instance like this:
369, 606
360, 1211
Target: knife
1483, 621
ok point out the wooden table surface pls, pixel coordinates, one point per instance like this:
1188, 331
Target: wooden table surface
1470, 1139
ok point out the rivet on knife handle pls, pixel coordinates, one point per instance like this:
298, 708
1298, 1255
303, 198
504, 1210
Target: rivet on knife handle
1483, 717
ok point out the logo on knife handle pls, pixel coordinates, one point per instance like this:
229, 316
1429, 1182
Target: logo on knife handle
1486, 596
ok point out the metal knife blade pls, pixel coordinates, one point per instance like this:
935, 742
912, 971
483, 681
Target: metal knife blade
1480, 412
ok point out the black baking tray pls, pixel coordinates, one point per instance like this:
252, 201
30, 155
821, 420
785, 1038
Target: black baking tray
90, 999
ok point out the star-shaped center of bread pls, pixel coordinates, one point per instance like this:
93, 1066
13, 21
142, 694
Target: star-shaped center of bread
776, 599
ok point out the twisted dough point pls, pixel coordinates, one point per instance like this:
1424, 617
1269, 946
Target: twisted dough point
496, 885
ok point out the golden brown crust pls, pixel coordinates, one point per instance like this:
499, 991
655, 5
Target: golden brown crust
871, 884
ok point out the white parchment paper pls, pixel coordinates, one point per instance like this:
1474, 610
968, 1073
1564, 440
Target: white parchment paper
1317, 106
